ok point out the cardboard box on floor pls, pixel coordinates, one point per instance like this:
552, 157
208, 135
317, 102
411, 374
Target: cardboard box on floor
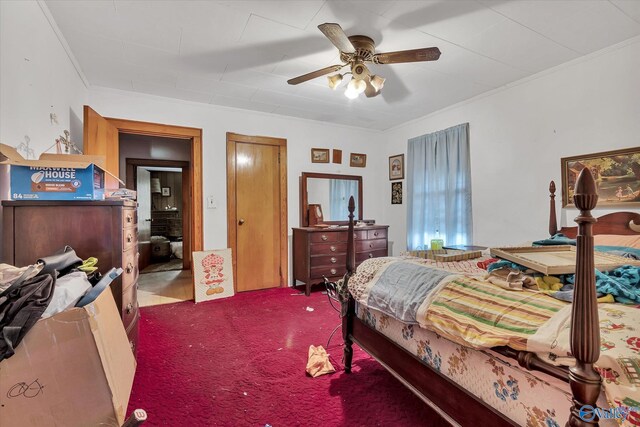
55, 176
72, 369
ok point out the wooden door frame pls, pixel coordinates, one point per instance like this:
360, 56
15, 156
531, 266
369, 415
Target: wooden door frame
132, 165
232, 214
194, 135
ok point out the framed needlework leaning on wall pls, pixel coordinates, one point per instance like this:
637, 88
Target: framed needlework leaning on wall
617, 176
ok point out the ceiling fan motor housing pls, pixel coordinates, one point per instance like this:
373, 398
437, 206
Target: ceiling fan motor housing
364, 47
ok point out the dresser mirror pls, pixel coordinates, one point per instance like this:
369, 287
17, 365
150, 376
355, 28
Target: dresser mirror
331, 192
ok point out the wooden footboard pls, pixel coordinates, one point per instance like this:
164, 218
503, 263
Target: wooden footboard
432, 387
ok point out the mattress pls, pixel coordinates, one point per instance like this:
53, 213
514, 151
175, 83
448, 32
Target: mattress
528, 398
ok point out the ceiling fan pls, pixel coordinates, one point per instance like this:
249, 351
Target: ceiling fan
354, 52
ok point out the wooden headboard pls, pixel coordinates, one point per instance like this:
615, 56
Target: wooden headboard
620, 223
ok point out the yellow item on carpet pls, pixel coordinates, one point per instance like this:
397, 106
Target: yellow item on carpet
319, 363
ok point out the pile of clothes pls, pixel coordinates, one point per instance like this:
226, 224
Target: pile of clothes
620, 285
51, 285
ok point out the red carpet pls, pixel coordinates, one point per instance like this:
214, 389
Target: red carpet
241, 361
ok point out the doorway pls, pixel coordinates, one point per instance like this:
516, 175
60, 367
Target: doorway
102, 137
162, 188
257, 211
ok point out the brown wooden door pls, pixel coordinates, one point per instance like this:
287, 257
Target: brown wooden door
101, 138
258, 225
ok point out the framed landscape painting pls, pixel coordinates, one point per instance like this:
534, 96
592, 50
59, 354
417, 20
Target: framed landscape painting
617, 176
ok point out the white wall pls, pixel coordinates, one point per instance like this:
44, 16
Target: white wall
36, 78
216, 121
518, 135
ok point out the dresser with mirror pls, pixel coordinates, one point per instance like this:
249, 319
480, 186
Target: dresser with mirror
320, 243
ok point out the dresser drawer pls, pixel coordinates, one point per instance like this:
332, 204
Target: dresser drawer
328, 248
330, 236
371, 245
363, 256
129, 238
130, 267
328, 271
377, 234
329, 260
132, 334
129, 304
129, 217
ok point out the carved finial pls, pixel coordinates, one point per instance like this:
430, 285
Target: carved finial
553, 221
585, 195
352, 205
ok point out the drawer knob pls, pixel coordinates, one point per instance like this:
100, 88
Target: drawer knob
370, 255
334, 260
129, 308
129, 268
334, 271
324, 237
370, 245
129, 218
333, 248
129, 238
375, 233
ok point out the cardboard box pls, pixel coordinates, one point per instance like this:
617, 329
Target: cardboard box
72, 369
55, 176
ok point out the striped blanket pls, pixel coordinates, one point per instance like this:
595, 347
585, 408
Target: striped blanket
479, 314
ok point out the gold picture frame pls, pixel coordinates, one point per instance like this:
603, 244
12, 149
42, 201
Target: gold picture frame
357, 160
617, 176
319, 155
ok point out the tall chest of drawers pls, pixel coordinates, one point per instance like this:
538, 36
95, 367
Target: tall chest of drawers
107, 230
322, 252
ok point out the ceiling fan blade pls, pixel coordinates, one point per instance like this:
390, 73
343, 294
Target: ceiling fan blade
370, 91
310, 76
336, 35
413, 55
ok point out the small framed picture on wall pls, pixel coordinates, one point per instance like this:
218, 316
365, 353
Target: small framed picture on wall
396, 167
319, 155
396, 193
358, 160
166, 191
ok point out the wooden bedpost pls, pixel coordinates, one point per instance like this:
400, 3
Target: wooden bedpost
553, 222
349, 306
585, 329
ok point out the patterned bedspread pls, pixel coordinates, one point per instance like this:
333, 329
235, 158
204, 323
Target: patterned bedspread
453, 300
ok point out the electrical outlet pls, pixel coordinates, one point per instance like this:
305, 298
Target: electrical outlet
211, 203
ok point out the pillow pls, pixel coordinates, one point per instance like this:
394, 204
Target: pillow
630, 241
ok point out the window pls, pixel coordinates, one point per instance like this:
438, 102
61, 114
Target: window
439, 188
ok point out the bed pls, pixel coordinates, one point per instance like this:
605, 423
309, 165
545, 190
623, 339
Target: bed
445, 374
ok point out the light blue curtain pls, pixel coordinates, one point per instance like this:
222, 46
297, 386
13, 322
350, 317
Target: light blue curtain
339, 192
439, 188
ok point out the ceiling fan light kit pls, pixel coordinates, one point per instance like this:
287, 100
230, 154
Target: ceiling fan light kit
354, 52
334, 81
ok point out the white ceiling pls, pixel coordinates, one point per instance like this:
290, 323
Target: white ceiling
241, 53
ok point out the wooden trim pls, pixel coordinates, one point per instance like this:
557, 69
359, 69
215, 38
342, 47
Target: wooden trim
195, 172
232, 217
154, 129
250, 139
304, 196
